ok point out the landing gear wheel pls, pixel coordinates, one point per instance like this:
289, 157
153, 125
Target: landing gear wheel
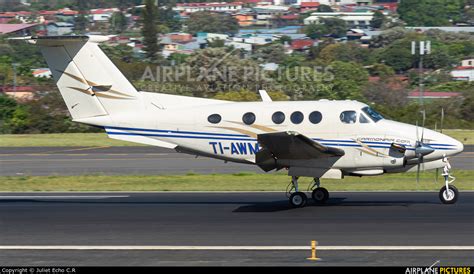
448, 196
298, 199
320, 195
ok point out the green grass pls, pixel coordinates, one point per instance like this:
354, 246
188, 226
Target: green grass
228, 182
101, 139
465, 136
60, 140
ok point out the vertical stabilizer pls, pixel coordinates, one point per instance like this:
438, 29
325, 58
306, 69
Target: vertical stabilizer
89, 82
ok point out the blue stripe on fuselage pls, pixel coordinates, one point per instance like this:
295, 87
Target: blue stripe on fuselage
217, 136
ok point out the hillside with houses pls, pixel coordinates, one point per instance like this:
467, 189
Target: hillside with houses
296, 50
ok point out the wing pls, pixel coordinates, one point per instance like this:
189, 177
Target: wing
280, 147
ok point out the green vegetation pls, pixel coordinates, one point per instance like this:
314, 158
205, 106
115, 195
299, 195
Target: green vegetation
205, 21
431, 12
228, 182
60, 139
150, 30
464, 136
333, 27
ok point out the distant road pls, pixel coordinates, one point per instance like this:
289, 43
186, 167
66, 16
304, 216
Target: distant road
131, 160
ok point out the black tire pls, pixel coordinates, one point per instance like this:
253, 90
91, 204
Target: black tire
443, 197
320, 195
298, 199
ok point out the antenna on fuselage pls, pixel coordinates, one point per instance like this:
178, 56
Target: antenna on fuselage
264, 95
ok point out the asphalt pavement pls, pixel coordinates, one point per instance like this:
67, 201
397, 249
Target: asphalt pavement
20, 161
380, 220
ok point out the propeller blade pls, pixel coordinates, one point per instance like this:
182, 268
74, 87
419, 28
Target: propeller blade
423, 126
417, 137
436, 175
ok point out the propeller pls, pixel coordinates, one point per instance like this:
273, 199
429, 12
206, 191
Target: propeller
421, 149
441, 131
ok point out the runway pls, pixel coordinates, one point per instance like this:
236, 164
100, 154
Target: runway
377, 223
21, 161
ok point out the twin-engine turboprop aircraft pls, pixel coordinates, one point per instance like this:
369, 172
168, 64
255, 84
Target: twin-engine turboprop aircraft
318, 139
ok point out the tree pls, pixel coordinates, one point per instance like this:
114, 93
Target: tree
378, 20
388, 93
219, 70
242, 95
167, 16
431, 12
324, 8
285, 39
345, 52
118, 22
349, 81
272, 53
315, 30
216, 43
205, 21
397, 55
333, 27
387, 37
149, 30
80, 21
381, 70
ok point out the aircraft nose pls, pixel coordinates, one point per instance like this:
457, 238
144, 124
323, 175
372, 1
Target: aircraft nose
457, 147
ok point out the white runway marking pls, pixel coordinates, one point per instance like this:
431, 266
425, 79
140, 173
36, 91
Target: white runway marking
223, 248
49, 197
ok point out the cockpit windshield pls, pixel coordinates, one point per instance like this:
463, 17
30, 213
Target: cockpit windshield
374, 115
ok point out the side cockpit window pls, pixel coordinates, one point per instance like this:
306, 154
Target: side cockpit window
348, 117
374, 115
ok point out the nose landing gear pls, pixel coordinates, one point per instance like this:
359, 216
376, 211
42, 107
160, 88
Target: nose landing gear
448, 194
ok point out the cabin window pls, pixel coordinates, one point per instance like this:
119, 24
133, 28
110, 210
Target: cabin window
374, 115
348, 117
297, 117
248, 118
214, 118
278, 117
315, 117
363, 119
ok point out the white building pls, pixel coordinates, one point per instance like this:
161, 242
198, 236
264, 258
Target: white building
353, 19
239, 45
465, 72
217, 7
344, 2
467, 62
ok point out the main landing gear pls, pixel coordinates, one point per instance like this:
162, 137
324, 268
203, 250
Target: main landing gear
298, 199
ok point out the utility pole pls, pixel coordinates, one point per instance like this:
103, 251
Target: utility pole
424, 48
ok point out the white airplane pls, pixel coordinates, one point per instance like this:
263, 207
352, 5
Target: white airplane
318, 139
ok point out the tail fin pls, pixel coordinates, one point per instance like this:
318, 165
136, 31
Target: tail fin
89, 82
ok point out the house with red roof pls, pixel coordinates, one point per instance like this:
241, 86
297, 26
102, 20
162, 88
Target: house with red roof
17, 29
309, 6
433, 94
301, 44
19, 93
